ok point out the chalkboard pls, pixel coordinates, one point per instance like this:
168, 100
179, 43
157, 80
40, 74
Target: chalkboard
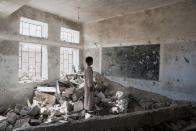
138, 61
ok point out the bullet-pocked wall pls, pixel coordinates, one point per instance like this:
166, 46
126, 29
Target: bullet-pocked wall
172, 26
11, 91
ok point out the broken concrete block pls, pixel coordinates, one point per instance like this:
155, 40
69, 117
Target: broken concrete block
100, 95
68, 92
35, 122
28, 103
24, 113
81, 85
74, 97
78, 106
105, 83
51, 118
87, 115
34, 111
2, 118
114, 110
9, 128
21, 123
62, 99
79, 93
44, 98
68, 106
11, 117
119, 94
47, 89
17, 109
122, 105
3, 125
63, 121
106, 100
64, 107
44, 111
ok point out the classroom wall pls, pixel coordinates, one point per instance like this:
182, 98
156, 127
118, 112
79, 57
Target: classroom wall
11, 91
172, 26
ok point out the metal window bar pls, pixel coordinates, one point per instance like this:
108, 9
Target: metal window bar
35, 62
36, 25
28, 61
67, 59
41, 64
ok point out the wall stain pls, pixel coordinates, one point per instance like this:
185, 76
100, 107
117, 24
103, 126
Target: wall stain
187, 60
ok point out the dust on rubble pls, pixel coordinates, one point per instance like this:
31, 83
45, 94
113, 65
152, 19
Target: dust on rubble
63, 103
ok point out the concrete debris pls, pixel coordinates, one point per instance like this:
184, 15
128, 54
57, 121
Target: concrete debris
3, 125
47, 89
66, 107
44, 98
78, 106
100, 95
22, 123
24, 112
119, 94
81, 85
64, 103
114, 110
63, 121
35, 110
28, 103
9, 128
18, 108
122, 105
68, 92
74, 97
87, 115
11, 117
35, 122
44, 111
2, 118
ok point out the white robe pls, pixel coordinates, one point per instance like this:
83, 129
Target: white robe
89, 94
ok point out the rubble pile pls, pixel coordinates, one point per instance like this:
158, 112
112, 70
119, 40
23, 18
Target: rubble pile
64, 103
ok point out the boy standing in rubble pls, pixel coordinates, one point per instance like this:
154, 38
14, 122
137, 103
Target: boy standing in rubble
89, 86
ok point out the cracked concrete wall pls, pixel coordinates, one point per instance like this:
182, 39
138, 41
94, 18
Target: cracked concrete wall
11, 91
172, 26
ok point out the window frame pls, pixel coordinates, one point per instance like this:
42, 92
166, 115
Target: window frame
63, 71
40, 27
74, 35
36, 78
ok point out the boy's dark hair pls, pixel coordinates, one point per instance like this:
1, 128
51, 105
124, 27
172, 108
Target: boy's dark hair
89, 59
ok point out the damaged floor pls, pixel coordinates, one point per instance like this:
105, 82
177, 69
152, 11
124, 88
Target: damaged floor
64, 104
